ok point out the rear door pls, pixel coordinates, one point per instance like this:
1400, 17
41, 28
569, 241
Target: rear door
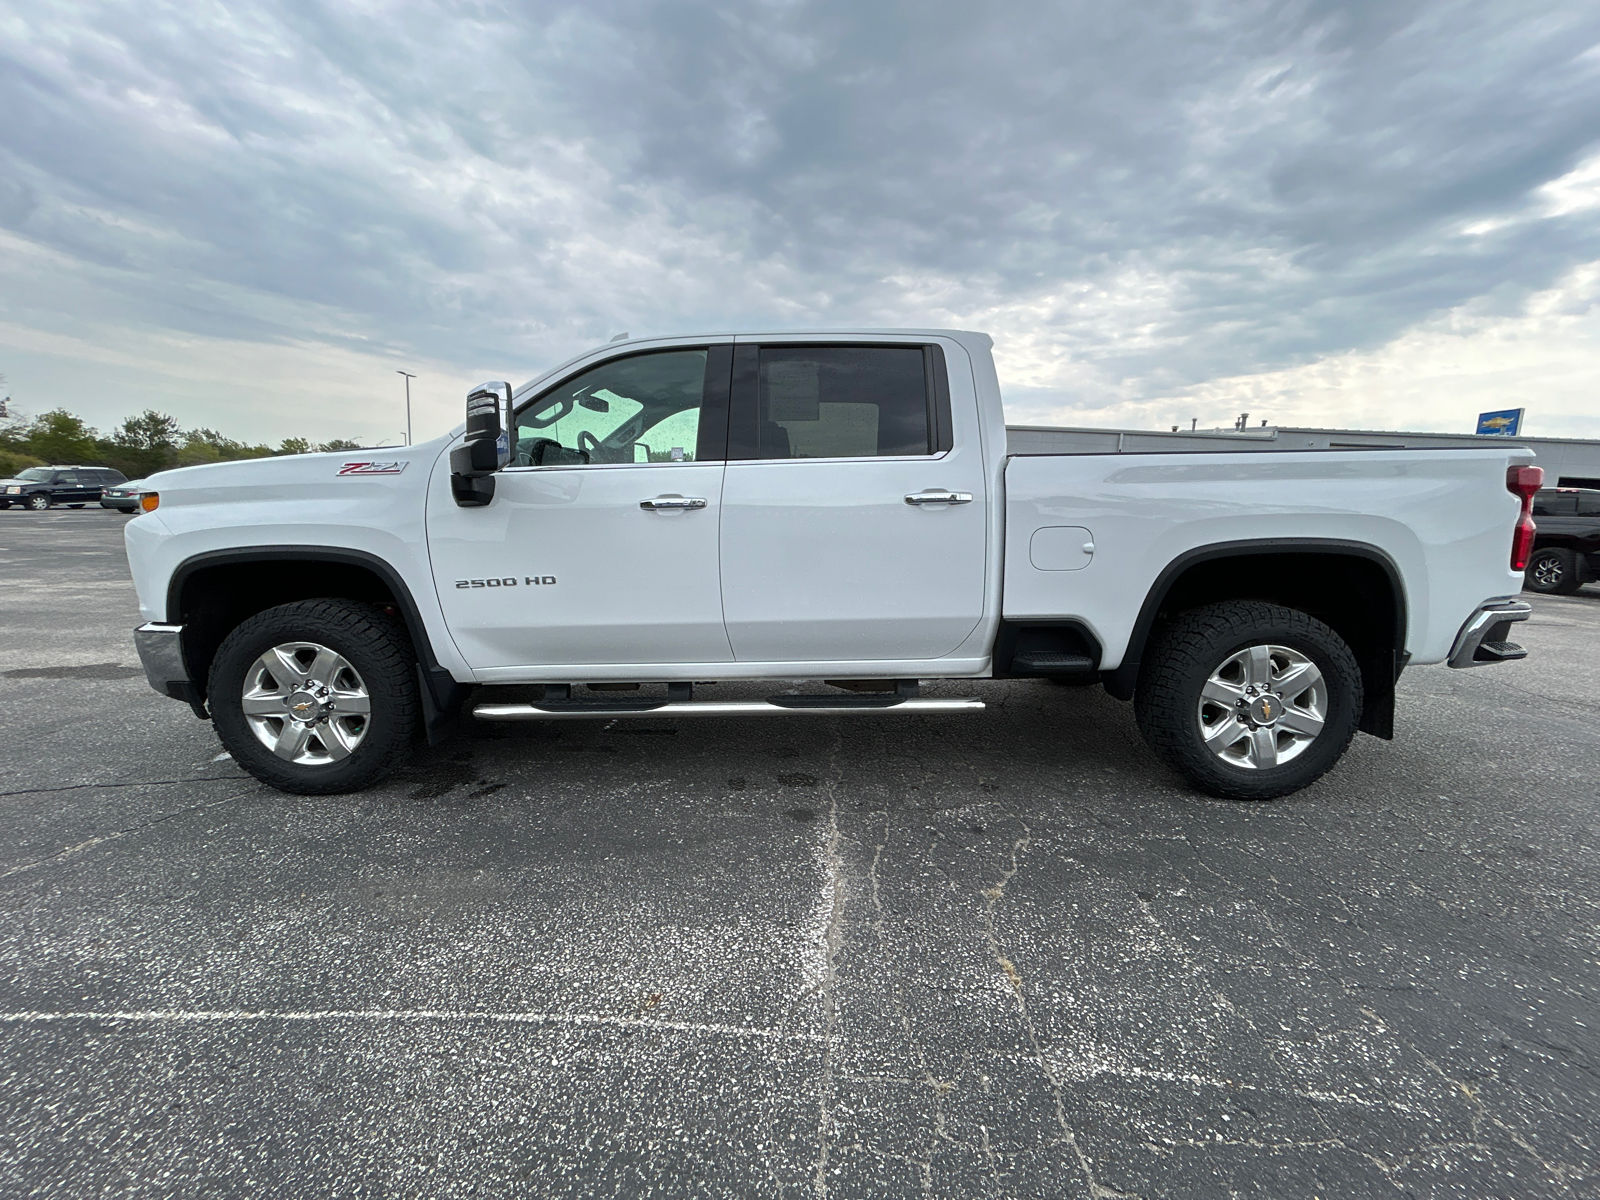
69, 488
854, 520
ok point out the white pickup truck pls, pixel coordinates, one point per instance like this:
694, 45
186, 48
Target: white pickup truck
840, 508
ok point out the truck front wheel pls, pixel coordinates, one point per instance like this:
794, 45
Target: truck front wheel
1249, 700
316, 697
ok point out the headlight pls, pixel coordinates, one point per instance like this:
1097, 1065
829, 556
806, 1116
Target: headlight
13, 491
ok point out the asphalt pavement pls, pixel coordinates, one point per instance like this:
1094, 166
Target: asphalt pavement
1000, 954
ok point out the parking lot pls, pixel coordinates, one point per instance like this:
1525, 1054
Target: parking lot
1003, 954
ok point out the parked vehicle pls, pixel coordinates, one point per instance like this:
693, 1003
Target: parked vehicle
124, 497
840, 508
40, 488
1566, 552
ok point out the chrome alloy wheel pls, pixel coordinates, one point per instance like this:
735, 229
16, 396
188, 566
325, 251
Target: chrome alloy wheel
306, 704
1262, 707
1547, 572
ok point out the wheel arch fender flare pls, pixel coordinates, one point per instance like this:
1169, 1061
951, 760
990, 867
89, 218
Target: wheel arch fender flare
1378, 677
441, 691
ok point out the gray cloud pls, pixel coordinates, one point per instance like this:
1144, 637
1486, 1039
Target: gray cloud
1176, 191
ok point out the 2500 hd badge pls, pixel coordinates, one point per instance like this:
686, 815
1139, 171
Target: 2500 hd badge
509, 581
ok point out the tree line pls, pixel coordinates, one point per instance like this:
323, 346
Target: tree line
140, 446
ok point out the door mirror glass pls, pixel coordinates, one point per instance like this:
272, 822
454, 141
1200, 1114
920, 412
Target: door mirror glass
489, 421
487, 447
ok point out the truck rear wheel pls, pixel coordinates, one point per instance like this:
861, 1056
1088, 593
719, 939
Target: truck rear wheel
1553, 571
316, 697
1248, 700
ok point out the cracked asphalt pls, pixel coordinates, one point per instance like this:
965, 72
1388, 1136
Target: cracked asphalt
1002, 954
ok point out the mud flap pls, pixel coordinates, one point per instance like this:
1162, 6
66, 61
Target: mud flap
442, 698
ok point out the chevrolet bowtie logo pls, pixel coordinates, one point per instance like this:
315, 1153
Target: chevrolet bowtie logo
1266, 710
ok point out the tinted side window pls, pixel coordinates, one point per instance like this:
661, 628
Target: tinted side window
1555, 504
834, 402
1589, 504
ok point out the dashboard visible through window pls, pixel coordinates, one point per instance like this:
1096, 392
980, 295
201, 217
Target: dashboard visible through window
641, 409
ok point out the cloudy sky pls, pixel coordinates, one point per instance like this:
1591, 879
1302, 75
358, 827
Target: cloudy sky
1382, 214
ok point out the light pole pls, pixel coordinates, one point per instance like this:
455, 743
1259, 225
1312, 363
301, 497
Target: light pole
409, 377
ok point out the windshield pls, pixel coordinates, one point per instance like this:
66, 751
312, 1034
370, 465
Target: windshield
35, 475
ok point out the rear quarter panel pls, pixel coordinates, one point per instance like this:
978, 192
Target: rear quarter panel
1443, 517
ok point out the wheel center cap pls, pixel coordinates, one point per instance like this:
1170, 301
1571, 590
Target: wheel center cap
1264, 710
303, 706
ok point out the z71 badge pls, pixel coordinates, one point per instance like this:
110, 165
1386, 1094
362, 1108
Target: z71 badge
372, 468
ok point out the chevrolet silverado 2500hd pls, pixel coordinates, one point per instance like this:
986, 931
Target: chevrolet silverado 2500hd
838, 508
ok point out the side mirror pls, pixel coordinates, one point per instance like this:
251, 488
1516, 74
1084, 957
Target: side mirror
487, 447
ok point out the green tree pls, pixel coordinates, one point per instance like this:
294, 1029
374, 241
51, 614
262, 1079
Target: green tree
143, 445
293, 446
227, 449
340, 444
60, 437
150, 430
197, 450
12, 461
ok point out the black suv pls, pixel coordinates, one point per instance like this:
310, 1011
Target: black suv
39, 488
1566, 549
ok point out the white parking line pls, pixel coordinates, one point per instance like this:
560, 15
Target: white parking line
442, 1015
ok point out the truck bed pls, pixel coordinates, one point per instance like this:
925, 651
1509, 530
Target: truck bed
1087, 529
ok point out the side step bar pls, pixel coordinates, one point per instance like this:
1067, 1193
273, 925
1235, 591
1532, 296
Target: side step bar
776, 706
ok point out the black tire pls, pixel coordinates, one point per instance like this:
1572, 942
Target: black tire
1175, 669
39, 501
1553, 571
372, 642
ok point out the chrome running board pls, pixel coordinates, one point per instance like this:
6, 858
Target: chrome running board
777, 706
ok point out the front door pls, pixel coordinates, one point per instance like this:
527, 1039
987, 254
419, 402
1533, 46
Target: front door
600, 546
854, 518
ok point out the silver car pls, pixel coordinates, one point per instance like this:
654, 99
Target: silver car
124, 497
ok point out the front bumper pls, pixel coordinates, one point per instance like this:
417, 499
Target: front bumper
161, 651
1483, 638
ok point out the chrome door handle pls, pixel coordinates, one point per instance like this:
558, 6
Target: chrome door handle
670, 503
939, 496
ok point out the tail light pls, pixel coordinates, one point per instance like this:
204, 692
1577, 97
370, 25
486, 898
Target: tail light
1524, 482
